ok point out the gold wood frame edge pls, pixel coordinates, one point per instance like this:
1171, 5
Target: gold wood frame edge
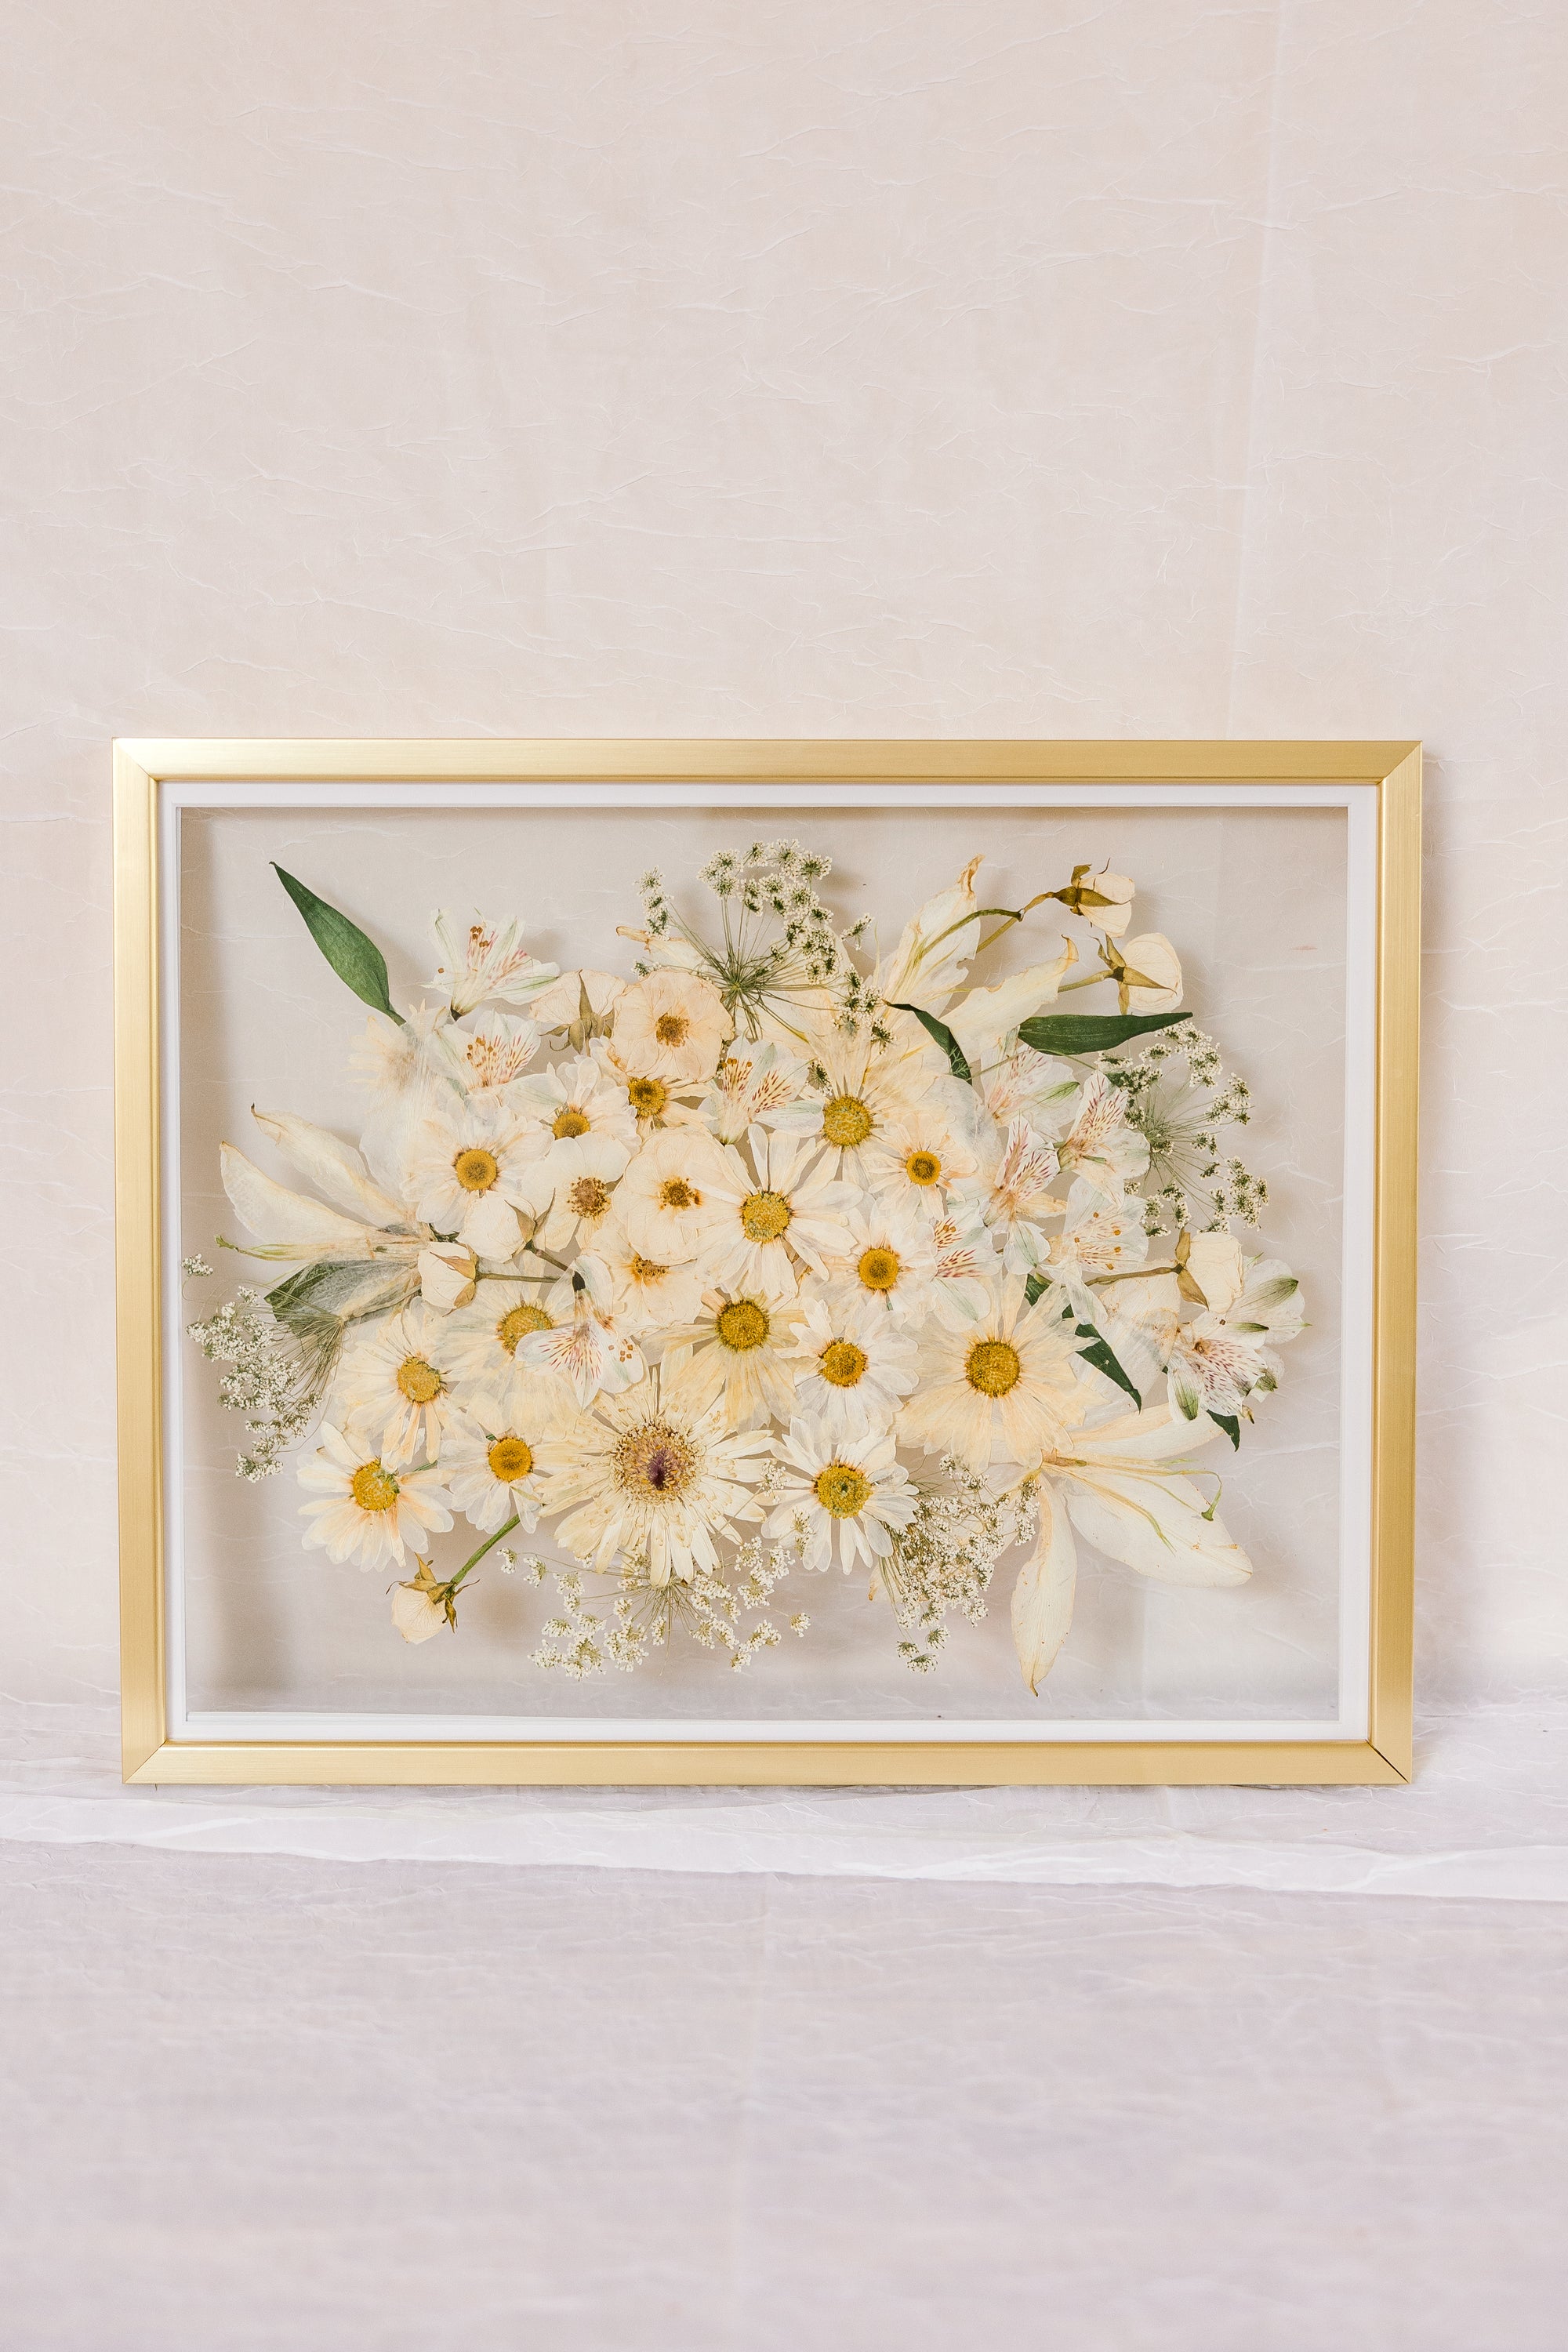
141, 764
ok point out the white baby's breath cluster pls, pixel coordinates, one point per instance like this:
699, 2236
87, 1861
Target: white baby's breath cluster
773, 1254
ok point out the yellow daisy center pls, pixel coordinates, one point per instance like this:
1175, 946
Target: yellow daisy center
673, 1028
588, 1197
654, 1459
511, 1458
675, 1192
842, 1362
841, 1490
648, 1097
879, 1269
923, 1168
569, 1121
476, 1169
764, 1216
375, 1489
741, 1325
518, 1322
847, 1122
418, 1380
993, 1367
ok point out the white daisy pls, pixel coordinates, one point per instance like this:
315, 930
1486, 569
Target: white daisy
666, 1197
486, 964
1006, 1385
849, 1492
579, 1102
920, 1155
856, 1362
367, 1512
471, 1172
394, 1388
774, 1211
652, 1477
860, 1091
494, 1475
890, 1257
480, 1345
671, 1025
741, 1351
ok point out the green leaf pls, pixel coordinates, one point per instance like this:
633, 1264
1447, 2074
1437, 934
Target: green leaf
356, 959
944, 1038
1231, 1426
1091, 1033
338, 1290
1100, 1356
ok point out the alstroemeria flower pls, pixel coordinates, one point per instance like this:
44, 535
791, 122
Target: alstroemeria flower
487, 964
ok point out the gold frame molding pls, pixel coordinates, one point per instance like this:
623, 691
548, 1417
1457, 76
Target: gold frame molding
149, 1756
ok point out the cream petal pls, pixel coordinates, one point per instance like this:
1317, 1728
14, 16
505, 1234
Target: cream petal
293, 1225
1043, 1593
335, 1168
1155, 1525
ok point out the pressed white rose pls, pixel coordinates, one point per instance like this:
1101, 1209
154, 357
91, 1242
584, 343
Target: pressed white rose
473, 1172
1148, 973
447, 1276
666, 1196
1103, 899
648, 1294
417, 1614
671, 1025
486, 964
580, 1002
364, 1511
1006, 1386
840, 1493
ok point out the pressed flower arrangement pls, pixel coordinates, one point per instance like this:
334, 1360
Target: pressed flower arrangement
769, 1256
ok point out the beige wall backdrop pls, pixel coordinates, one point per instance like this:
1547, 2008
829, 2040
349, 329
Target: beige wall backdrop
1006, 368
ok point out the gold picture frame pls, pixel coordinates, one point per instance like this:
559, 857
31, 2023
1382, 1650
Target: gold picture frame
1390, 771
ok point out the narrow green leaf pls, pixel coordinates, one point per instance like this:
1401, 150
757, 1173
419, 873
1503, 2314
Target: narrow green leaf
1091, 1033
356, 959
1231, 1426
1036, 1287
1101, 1356
944, 1038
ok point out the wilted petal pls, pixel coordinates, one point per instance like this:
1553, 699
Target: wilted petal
1155, 1523
988, 1014
335, 1168
289, 1223
1042, 1596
